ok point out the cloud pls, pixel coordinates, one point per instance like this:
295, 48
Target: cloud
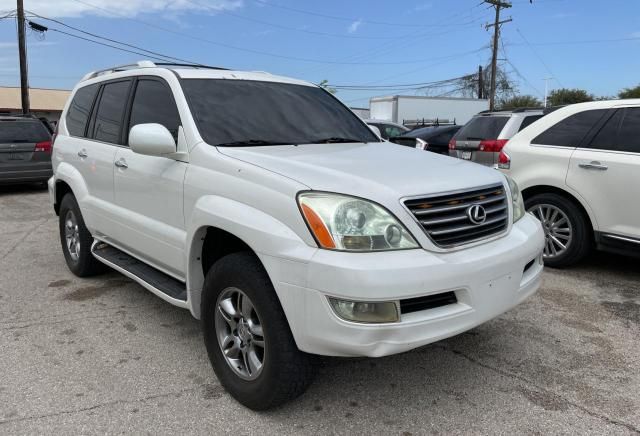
635, 35
129, 8
353, 27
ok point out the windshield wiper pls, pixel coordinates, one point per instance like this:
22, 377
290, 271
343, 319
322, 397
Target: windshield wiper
335, 140
249, 143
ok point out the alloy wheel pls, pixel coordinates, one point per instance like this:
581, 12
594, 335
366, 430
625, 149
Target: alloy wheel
239, 333
558, 231
72, 235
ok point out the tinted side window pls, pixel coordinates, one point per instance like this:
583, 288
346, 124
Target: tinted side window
154, 103
389, 131
110, 112
570, 131
629, 135
607, 137
528, 120
80, 108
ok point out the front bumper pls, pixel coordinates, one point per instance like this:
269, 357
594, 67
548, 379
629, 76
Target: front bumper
488, 280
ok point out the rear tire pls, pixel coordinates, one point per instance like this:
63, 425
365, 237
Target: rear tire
76, 240
560, 218
284, 372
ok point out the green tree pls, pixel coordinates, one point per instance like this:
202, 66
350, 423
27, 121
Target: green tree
325, 84
630, 92
520, 101
562, 96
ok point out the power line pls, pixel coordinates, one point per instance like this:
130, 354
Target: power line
248, 50
535, 52
288, 28
93, 35
335, 17
109, 45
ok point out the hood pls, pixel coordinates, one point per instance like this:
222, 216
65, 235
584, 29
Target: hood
375, 170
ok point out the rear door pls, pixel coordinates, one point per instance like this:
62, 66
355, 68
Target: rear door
25, 145
606, 172
480, 128
149, 189
94, 138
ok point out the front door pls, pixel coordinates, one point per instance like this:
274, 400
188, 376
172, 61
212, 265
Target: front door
149, 189
606, 172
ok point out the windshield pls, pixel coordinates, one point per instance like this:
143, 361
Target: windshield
480, 128
246, 112
23, 131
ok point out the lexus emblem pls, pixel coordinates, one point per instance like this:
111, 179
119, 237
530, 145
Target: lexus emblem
477, 214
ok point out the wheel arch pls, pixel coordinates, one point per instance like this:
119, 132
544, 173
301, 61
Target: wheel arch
548, 189
219, 226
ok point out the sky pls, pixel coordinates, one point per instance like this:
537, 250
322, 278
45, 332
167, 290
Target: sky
590, 44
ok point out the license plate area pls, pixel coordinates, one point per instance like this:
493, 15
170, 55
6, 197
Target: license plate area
17, 156
465, 155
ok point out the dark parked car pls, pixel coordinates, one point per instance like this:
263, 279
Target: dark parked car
435, 139
25, 150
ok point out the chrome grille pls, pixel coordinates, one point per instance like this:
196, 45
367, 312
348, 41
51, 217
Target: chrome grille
449, 220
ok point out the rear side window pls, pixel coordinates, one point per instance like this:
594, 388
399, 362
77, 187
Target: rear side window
620, 133
528, 120
629, 135
110, 112
23, 132
480, 128
570, 131
80, 109
154, 103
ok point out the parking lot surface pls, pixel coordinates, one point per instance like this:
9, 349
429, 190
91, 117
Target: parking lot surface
103, 355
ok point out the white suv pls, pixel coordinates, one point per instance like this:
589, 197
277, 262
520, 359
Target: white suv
579, 172
274, 214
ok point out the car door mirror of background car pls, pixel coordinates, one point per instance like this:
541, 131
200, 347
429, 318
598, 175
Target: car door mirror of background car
152, 139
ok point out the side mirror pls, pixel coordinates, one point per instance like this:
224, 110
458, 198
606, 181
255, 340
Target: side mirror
375, 130
151, 139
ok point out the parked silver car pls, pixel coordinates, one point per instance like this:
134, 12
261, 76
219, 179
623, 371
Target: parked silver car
482, 138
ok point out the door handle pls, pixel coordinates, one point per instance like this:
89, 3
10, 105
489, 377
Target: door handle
121, 163
593, 165
83, 153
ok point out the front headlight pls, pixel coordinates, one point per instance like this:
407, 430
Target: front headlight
341, 222
516, 199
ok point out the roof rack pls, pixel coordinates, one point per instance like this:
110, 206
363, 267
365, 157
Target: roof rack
139, 64
525, 109
144, 64
207, 67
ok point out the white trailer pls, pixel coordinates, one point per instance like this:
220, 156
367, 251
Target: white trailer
400, 108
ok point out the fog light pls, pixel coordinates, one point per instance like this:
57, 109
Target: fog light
366, 311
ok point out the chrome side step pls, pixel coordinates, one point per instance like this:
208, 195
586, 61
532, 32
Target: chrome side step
164, 286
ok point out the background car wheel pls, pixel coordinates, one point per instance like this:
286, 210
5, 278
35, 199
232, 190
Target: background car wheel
568, 235
76, 240
247, 336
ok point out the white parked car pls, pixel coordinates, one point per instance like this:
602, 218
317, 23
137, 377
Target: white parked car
579, 171
274, 214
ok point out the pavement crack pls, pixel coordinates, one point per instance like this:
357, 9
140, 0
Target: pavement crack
25, 236
508, 374
100, 405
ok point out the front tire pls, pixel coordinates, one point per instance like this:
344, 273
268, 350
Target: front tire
247, 335
76, 240
566, 228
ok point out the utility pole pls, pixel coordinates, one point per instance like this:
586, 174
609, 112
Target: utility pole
22, 53
497, 4
546, 89
480, 83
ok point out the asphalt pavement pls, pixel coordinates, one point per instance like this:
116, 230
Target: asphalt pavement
103, 355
